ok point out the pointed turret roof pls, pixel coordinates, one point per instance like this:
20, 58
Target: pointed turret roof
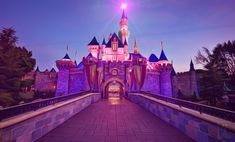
163, 56
103, 43
173, 73
37, 69
90, 55
134, 56
125, 42
153, 58
124, 15
94, 41
191, 66
80, 65
66, 56
52, 70
120, 45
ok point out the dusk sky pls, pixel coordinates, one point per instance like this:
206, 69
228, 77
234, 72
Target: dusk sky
47, 26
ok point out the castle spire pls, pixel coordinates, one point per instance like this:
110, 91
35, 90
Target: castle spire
163, 55
123, 14
136, 51
124, 33
192, 66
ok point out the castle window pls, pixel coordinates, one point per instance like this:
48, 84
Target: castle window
114, 46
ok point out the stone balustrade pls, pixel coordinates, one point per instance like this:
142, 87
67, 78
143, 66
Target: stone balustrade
32, 125
199, 126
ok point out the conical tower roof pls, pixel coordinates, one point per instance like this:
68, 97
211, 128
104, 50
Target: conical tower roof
124, 15
163, 56
37, 69
191, 66
173, 73
153, 58
66, 56
103, 43
94, 41
125, 42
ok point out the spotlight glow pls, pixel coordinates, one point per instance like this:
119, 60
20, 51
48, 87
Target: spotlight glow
124, 5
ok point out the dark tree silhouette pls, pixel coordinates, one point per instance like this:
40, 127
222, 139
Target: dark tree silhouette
220, 68
15, 62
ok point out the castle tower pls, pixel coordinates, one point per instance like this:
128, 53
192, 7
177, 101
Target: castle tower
123, 33
165, 69
193, 80
93, 47
64, 65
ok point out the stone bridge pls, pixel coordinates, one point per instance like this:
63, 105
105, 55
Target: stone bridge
139, 118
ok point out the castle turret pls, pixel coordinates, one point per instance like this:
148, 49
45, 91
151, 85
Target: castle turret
64, 65
123, 33
93, 47
165, 68
193, 80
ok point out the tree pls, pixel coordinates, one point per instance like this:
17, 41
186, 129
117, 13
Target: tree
15, 62
220, 68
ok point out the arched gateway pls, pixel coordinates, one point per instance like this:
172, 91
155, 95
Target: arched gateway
113, 87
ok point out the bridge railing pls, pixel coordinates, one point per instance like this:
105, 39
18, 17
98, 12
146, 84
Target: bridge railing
32, 106
214, 111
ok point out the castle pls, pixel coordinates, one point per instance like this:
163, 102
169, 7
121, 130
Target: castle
110, 68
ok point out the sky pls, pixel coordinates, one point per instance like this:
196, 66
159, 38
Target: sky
46, 27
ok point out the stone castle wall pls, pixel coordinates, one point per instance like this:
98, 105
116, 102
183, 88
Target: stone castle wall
199, 127
77, 81
30, 127
186, 82
151, 83
45, 81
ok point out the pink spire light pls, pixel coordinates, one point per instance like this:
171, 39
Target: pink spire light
123, 6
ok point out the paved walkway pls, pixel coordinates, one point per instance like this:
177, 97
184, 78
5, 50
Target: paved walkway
115, 120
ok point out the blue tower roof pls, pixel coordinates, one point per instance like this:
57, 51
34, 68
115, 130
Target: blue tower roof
66, 56
153, 58
94, 41
104, 43
37, 69
173, 73
120, 45
125, 42
90, 55
80, 65
52, 70
133, 56
163, 56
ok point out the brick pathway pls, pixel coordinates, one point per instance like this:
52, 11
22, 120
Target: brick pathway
115, 120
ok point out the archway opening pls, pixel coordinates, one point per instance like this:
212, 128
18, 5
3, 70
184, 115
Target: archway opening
114, 89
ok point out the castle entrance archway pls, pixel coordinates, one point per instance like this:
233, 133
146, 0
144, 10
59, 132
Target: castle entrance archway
113, 88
